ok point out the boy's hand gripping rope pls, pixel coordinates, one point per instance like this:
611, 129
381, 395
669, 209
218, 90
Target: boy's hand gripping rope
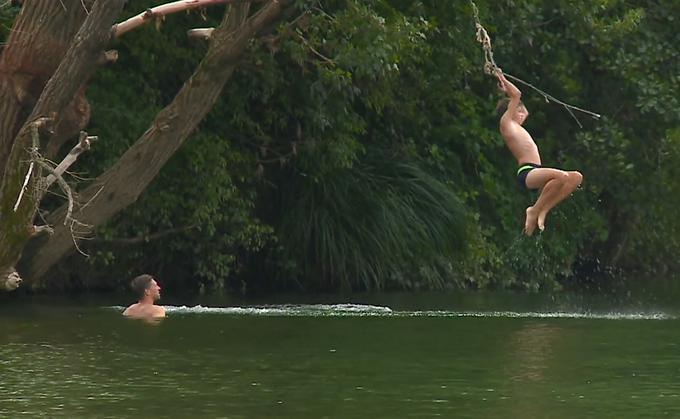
492, 69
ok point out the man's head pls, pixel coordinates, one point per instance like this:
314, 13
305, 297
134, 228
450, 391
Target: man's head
520, 115
146, 286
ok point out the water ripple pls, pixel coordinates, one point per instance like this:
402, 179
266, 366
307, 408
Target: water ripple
358, 310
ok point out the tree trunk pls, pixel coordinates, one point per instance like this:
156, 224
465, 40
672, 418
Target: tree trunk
122, 184
19, 178
39, 39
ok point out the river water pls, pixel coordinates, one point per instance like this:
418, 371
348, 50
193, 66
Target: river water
480, 355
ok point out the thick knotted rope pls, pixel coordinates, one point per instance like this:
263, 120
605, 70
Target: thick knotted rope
483, 38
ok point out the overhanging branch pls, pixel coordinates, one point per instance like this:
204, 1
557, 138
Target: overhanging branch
164, 10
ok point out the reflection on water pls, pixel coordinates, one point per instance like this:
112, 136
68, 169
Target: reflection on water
530, 347
530, 351
350, 360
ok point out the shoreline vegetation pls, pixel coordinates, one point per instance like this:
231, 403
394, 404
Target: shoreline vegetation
355, 147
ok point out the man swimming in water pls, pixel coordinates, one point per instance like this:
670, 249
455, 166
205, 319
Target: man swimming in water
554, 184
149, 292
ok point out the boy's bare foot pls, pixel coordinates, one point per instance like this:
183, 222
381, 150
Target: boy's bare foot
541, 220
530, 221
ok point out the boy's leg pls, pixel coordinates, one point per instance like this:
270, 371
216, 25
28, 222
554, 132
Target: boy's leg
550, 188
573, 181
555, 186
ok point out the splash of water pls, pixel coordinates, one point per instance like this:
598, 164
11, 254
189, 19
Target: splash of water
359, 310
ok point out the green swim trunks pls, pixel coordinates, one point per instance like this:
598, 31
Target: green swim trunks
523, 171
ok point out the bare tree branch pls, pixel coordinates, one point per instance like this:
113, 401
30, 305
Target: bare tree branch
42, 229
35, 137
200, 33
164, 10
30, 132
64, 187
83, 145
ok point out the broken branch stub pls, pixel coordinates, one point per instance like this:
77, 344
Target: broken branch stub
200, 33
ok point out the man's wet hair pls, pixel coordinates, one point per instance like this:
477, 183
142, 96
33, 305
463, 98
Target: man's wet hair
141, 284
502, 106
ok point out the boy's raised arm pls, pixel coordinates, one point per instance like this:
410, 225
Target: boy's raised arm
511, 90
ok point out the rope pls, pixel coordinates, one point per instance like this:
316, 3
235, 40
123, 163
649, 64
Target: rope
483, 38
491, 68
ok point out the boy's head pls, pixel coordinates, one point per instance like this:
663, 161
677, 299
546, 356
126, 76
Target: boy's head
520, 115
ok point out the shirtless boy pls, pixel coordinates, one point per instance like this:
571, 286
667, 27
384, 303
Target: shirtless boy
149, 292
554, 185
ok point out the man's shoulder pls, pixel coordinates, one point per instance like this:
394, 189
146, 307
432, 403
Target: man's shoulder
144, 310
131, 309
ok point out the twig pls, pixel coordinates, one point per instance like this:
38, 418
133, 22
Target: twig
146, 237
24, 186
35, 139
64, 187
311, 48
96, 194
549, 98
83, 145
76, 238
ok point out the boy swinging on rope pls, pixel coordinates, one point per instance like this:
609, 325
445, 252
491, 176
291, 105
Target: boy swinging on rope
554, 184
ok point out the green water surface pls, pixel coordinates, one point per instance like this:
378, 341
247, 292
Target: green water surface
77, 360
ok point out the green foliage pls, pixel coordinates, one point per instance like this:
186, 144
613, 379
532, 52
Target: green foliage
343, 149
206, 213
7, 15
372, 227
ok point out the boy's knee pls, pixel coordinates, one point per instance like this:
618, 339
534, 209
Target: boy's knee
577, 177
563, 177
